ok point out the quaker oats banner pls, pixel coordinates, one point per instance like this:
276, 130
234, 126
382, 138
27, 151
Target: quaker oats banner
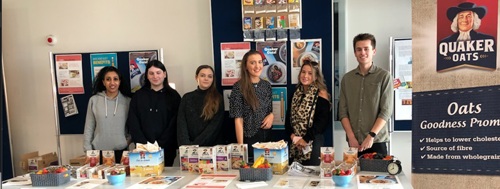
465, 34
456, 94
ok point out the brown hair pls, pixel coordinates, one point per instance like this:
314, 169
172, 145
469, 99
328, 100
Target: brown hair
362, 37
319, 78
247, 88
212, 99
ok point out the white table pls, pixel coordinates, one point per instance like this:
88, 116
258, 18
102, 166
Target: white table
188, 177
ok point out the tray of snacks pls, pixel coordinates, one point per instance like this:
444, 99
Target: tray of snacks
50, 176
260, 171
374, 162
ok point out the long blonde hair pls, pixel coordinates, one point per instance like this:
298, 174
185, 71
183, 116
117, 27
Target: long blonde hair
319, 78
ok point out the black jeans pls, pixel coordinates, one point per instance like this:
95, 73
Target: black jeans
263, 135
169, 154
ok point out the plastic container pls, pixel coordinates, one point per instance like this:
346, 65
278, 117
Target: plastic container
256, 174
50, 179
116, 179
376, 165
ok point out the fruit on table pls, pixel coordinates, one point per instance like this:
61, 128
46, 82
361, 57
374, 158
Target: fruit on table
244, 165
341, 172
52, 170
259, 161
61, 170
265, 164
117, 172
376, 155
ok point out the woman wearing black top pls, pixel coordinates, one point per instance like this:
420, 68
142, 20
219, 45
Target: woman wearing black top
201, 112
250, 103
153, 112
309, 114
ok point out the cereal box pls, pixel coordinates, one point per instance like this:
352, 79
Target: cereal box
327, 155
83, 172
275, 152
93, 158
108, 157
145, 164
222, 157
125, 161
97, 172
239, 153
183, 156
193, 160
206, 160
327, 161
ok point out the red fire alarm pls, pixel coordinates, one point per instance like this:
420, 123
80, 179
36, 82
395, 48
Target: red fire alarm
51, 40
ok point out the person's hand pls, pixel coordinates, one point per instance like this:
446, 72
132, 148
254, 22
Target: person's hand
267, 123
295, 139
353, 142
301, 143
367, 143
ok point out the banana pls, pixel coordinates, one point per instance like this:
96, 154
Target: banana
259, 161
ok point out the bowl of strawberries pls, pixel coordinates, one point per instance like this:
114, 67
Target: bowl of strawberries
116, 177
342, 175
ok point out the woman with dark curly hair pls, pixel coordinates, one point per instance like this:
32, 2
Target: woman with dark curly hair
107, 113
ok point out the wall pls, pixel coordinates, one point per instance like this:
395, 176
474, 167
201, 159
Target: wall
181, 28
383, 19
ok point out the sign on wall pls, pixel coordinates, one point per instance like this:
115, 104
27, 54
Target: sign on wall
456, 104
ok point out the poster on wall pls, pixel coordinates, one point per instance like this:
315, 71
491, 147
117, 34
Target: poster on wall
69, 74
302, 50
402, 79
456, 109
69, 105
275, 60
137, 66
279, 107
469, 42
231, 55
99, 61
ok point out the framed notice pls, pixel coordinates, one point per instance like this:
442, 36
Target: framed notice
402, 73
231, 55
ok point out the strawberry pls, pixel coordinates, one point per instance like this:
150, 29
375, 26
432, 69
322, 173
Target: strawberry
348, 172
342, 172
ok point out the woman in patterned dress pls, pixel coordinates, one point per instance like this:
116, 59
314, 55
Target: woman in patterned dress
309, 115
251, 103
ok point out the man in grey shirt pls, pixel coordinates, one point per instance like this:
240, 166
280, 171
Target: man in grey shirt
366, 100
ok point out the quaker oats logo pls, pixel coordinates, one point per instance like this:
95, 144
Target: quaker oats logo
471, 42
